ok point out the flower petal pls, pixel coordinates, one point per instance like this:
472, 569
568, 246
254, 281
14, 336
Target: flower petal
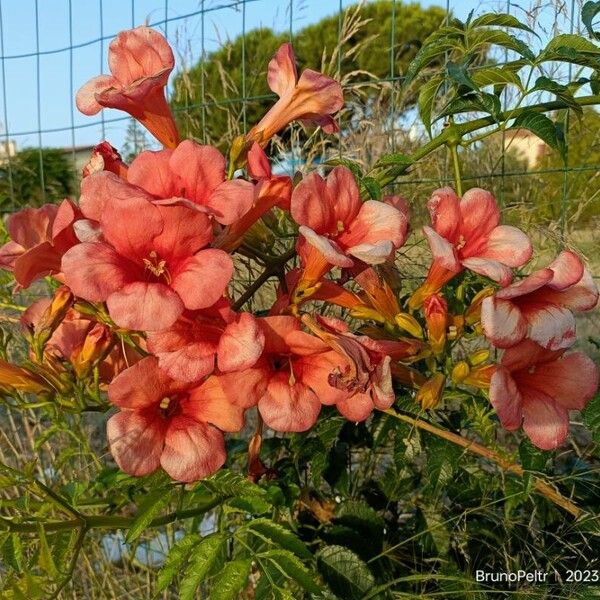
508, 245
489, 268
444, 210
551, 326
94, 270
443, 251
231, 200
328, 248
372, 254
139, 386
282, 74
144, 306
136, 441
545, 423
502, 322
568, 270
582, 296
198, 169
201, 279
192, 450
241, 344
528, 284
571, 381
309, 205
289, 407
86, 96
37, 262
150, 170
356, 408
479, 214
506, 399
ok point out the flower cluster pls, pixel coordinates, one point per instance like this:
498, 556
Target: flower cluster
145, 260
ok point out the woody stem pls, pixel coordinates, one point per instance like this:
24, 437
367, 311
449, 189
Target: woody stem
506, 465
456, 168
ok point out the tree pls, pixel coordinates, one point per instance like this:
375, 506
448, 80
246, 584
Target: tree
25, 180
208, 97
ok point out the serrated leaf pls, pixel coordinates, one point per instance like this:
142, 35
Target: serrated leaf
588, 14
346, 574
434, 531
591, 418
496, 76
372, 187
496, 37
203, 558
572, 42
231, 580
45, 559
349, 164
457, 72
279, 536
227, 484
178, 555
500, 20
12, 552
255, 505
562, 92
426, 101
533, 460
292, 568
151, 505
427, 54
481, 102
541, 126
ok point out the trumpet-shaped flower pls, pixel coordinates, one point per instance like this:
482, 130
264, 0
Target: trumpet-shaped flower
151, 263
200, 340
105, 158
140, 61
465, 233
196, 173
535, 387
39, 238
312, 98
162, 423
337, 227
539, 306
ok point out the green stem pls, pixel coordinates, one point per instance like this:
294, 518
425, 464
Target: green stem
109, 521
456, 168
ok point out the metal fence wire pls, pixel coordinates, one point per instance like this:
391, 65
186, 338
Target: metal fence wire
49, 49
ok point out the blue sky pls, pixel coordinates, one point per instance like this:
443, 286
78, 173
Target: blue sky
63, 71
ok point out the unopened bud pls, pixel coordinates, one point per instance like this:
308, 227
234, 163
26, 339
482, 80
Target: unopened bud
367, 314
430, 393
21, 378
460, 372
96, 344
436, 317
409, 323
473, 313
481, 376
478, 357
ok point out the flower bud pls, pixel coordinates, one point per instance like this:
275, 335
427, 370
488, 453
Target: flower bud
410, 324
21, 378
94, 347
430, 393
366, 313
436, 317
473, 313
479, 356
460, 372
481, 376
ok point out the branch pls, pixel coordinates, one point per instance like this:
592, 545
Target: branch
506, 465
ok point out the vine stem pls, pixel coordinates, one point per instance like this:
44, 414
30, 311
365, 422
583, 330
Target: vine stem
506, 465
456, 168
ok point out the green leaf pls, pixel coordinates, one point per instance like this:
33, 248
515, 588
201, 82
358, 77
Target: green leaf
457, 72
571, 42
255, 505
426, 101
496, 76
500, 20
372, 187
591, 418
588, 14
346, 574
151, 505
45, 560
533, 460
292, 568
274, 533
12, 553
178, 555
542, 126
349, 164
226, 484
231, 580
497, 37
562, 92
427, 54
205, 555
481, 102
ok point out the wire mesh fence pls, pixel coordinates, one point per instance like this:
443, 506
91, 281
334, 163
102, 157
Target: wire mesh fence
49, 49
